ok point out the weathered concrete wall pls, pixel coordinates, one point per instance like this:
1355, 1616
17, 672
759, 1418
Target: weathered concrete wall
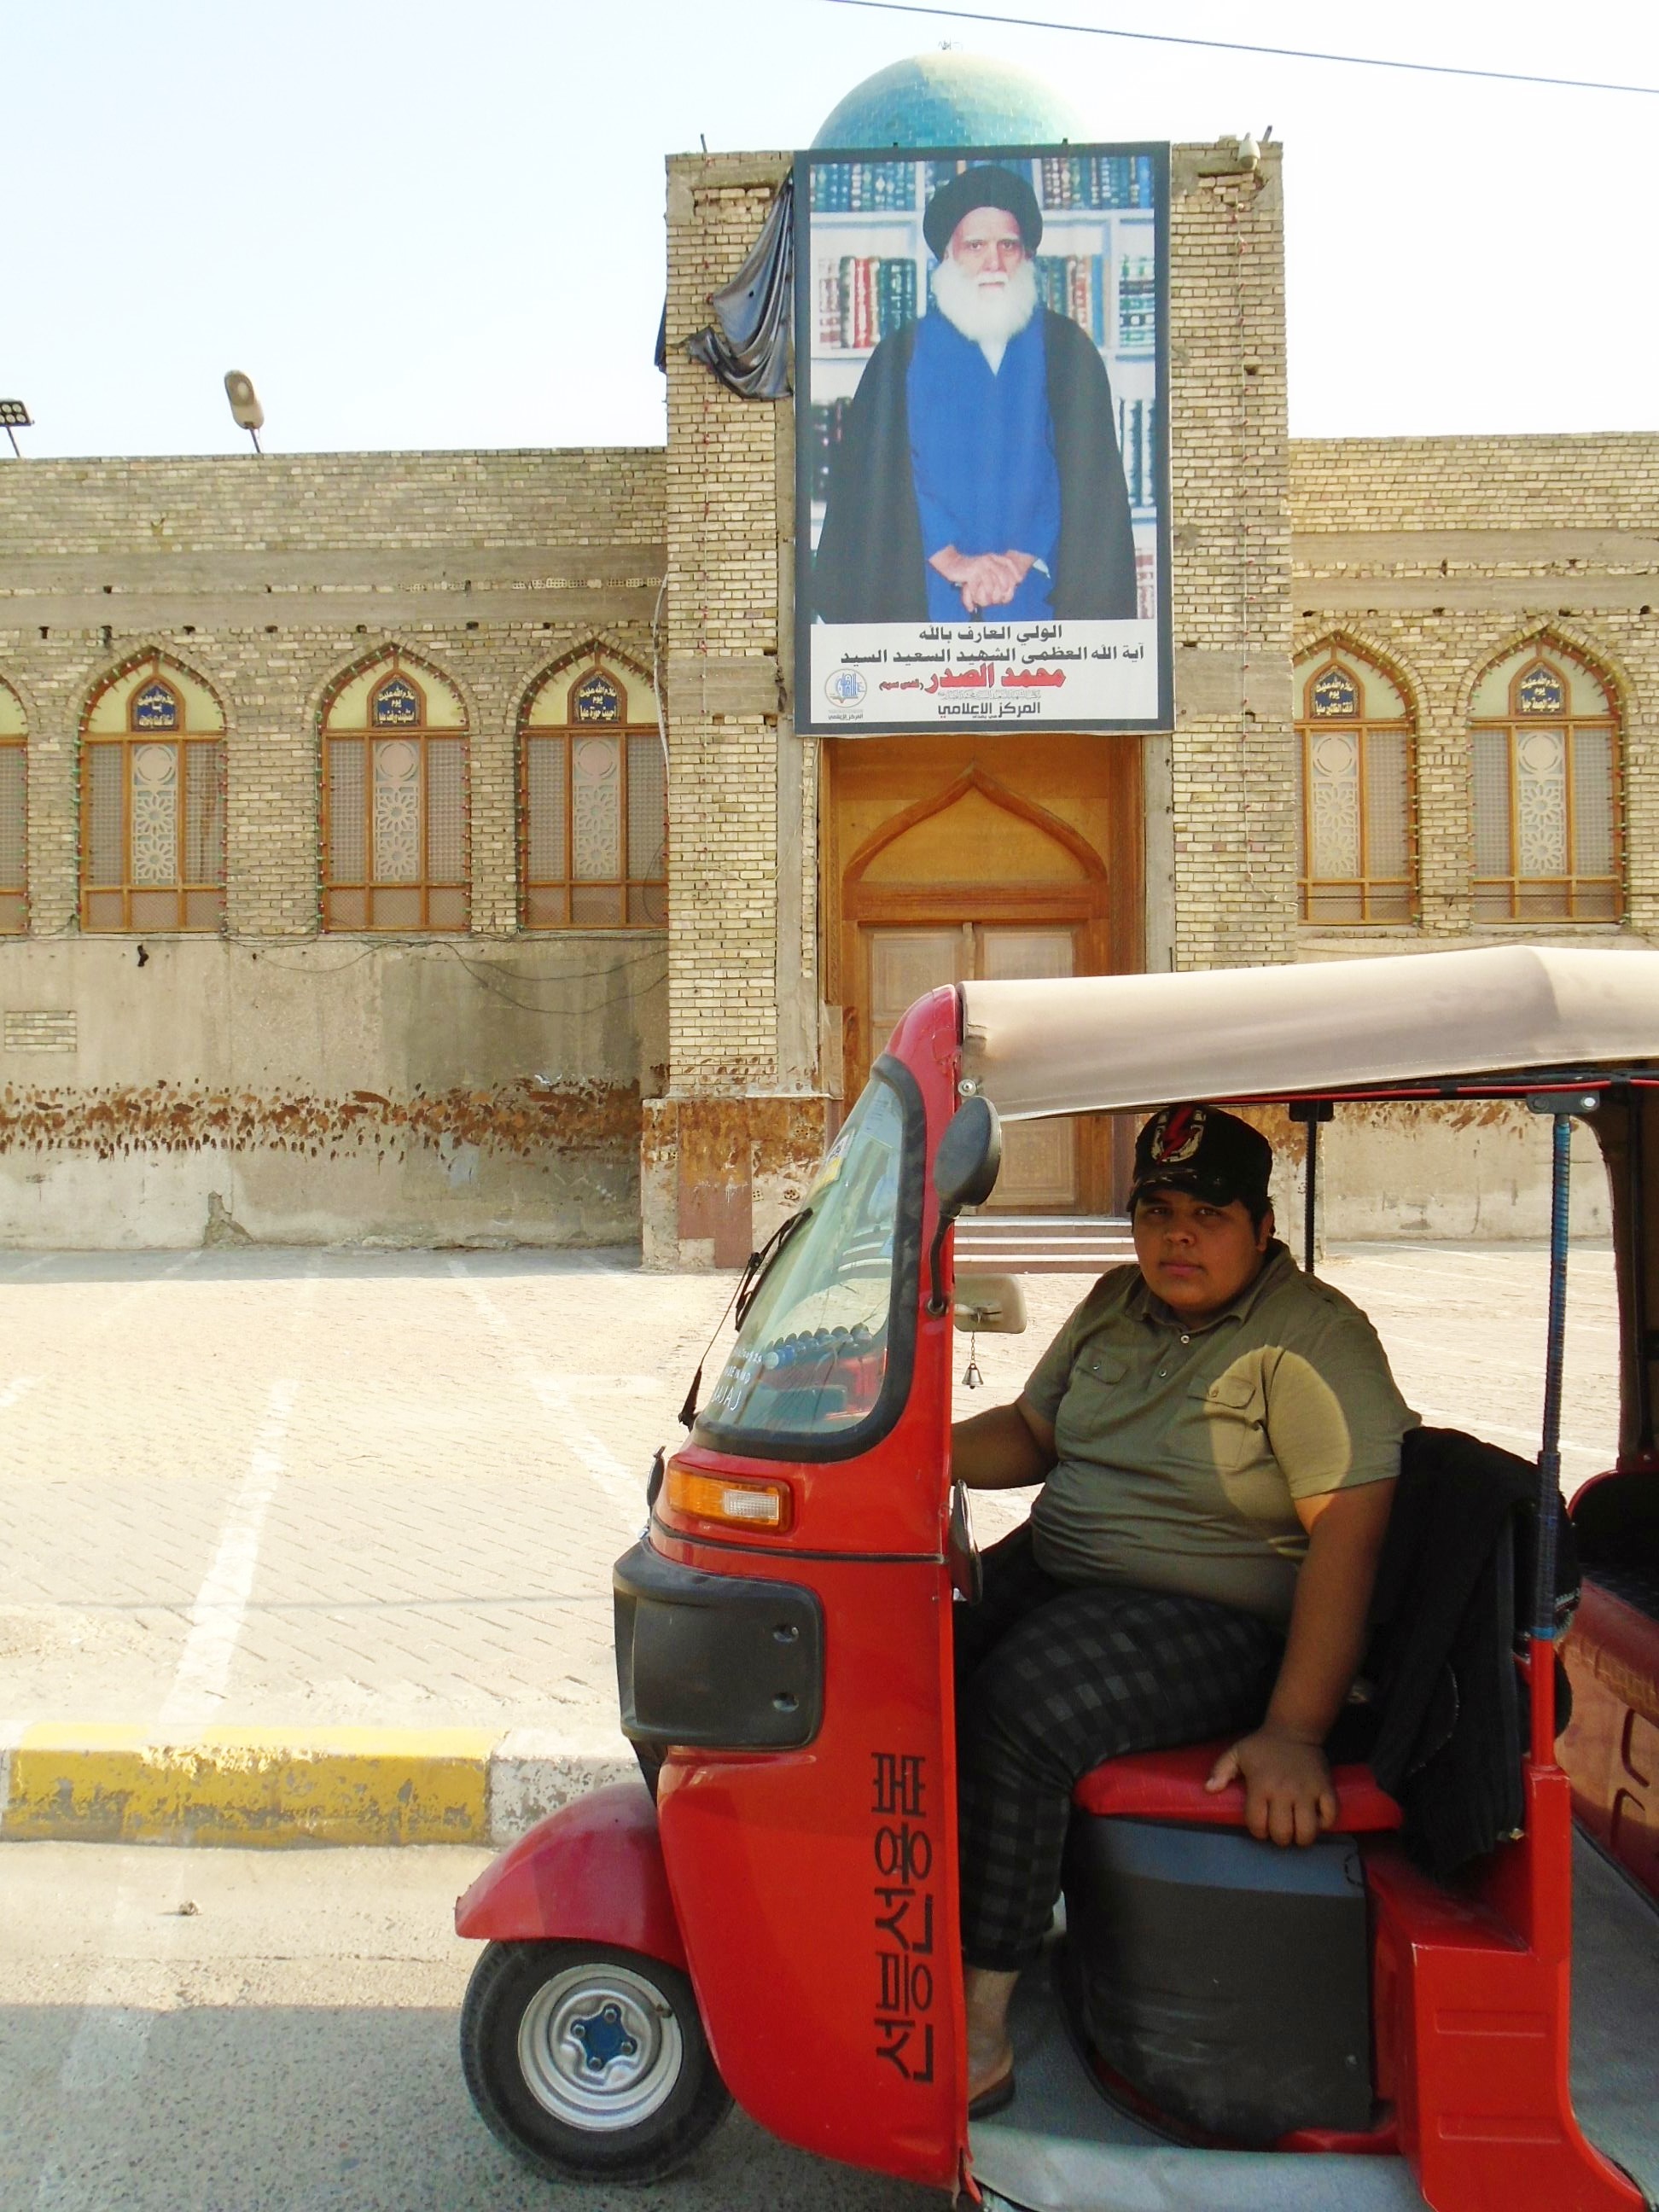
1474, 1171
324, 1092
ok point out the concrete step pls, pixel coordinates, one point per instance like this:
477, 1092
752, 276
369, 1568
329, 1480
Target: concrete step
1043, 1243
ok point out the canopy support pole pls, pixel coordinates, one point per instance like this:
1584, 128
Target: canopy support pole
1561, 1106
1312, 1111
1636, 1198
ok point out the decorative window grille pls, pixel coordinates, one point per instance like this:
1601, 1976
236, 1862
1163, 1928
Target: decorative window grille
1544, 734
395, 826
1355, 859
14, 815
592, 804
153, 804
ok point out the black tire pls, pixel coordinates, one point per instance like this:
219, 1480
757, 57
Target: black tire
589, 2062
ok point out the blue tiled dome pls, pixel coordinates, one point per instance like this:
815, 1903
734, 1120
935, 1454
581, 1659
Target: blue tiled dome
949, 98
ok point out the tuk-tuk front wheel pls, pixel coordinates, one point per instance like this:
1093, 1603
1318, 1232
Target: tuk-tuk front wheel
589, 2062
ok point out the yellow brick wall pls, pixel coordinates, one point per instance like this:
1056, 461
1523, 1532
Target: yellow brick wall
727, 536
271, 579
1234, 868
1438, 556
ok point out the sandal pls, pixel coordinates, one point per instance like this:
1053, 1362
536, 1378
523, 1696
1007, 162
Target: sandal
1000, 2094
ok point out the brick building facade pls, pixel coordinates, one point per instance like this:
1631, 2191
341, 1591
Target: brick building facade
588, 1080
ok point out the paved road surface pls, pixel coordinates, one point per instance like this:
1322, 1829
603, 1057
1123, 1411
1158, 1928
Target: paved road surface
411, 1472
289, 2047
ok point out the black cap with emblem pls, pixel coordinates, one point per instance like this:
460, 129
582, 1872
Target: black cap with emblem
1204, 1149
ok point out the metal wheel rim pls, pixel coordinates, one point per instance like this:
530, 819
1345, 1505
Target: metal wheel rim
599, 2047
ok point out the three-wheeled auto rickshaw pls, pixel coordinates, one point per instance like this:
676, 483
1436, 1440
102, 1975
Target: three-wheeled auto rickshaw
771, 1914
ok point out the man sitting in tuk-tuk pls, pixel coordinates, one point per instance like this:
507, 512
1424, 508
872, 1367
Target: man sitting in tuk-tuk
1216, 1435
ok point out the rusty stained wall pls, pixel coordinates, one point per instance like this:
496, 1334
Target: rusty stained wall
341, 1090
1465, 1169
718, 1175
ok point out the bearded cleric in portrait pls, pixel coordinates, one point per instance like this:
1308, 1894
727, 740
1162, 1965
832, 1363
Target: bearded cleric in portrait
978, 471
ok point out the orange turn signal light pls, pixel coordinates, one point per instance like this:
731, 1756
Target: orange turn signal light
734, 1505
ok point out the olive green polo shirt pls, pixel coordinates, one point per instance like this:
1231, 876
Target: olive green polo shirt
1182, 1450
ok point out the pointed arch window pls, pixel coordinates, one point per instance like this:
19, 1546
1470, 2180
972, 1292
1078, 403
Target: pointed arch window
1354, 797
395, 819
14, 815
1544, 733
593, 804
152, 803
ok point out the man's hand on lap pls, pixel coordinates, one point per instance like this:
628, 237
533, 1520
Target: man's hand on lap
1287, 1785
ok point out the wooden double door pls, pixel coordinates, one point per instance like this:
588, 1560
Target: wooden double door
1040, 1164
955, 861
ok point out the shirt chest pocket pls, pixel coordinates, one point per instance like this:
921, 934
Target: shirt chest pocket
1228, 1421
1093, 1404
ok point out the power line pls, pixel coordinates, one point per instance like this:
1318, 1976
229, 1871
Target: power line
1238, 46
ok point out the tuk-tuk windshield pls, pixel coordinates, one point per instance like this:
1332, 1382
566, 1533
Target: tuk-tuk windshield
817, 1346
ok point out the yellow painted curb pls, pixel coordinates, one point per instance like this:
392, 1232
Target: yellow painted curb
249, 1786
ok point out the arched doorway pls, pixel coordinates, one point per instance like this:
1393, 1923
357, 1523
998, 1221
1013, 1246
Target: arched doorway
1014, 862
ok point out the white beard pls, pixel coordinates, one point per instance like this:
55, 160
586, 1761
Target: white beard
989, 314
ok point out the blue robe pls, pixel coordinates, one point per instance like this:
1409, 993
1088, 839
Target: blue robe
982, 458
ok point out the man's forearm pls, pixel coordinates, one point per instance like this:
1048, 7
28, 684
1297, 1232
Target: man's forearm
1328, 1622
996, 1450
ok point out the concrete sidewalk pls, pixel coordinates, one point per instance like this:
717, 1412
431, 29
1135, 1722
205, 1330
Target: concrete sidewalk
317, 1543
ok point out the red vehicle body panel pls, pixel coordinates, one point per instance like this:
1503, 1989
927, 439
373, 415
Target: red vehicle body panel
1471, 2005
1611, 1749
816, 1890
591, 1873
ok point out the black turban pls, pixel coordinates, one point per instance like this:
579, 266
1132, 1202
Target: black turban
985, 185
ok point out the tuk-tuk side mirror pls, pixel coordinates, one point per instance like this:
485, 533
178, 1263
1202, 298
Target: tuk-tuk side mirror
969, 1155
965, 1169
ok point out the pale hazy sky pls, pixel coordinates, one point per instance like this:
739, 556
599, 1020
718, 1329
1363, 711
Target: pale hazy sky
426, 226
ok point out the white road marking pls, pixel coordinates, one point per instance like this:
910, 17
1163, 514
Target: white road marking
1480, 1363
16, 1389
217, 1617
625, 1486
106, 2056
1475, 1423
1577, 1290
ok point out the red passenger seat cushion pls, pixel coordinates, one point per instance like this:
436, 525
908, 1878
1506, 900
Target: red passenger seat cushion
1169, 1785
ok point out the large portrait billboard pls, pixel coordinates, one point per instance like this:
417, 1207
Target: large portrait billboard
981, 383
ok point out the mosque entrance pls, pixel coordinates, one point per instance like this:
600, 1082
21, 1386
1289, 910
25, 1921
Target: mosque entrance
955, 866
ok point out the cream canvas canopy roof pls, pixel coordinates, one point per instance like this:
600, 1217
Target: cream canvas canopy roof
1107, 1041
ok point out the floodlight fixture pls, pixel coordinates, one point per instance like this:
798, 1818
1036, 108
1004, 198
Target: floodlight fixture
15, 417
244, 408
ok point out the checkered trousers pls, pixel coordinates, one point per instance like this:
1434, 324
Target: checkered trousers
1052, 1679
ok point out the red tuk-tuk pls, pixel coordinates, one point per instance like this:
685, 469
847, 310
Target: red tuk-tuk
771, 1915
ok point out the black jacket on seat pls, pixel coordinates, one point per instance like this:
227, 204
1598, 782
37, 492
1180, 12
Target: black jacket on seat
1447, 1702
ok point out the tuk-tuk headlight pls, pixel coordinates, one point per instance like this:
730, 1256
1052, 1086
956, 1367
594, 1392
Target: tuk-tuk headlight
733, 1503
